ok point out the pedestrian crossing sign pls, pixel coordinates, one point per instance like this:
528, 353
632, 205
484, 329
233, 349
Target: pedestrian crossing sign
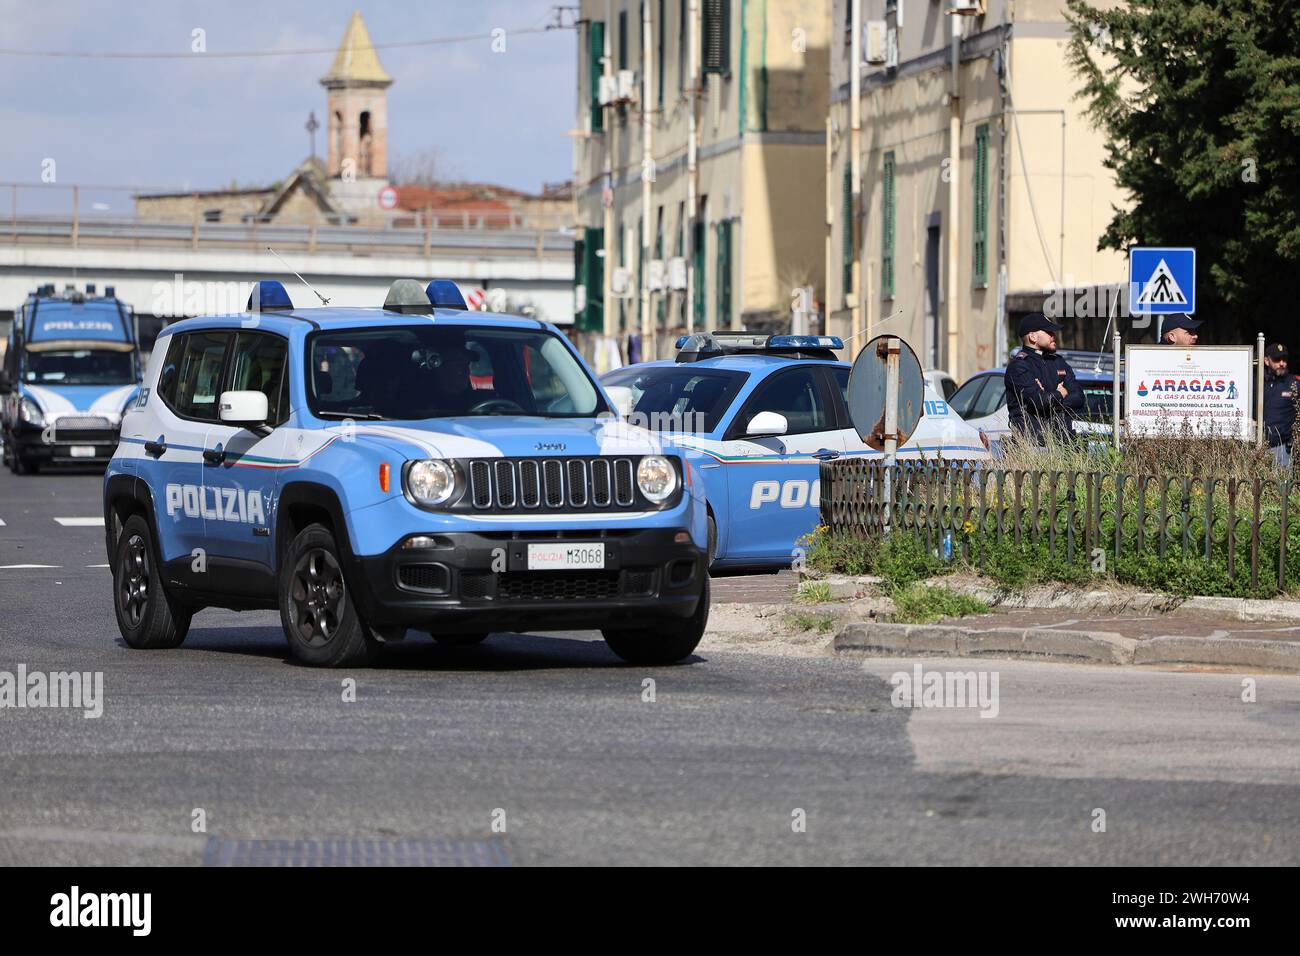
1161, 281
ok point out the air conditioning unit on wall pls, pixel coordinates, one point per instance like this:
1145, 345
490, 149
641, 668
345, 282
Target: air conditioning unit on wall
875, 42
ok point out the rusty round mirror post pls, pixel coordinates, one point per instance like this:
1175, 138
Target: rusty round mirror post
886, 400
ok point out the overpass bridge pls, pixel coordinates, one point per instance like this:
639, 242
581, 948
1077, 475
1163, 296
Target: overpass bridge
168, 270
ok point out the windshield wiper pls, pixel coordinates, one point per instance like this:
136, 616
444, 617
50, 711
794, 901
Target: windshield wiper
367, 416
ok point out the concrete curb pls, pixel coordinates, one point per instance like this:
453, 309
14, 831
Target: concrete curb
1038, 643
1046, 598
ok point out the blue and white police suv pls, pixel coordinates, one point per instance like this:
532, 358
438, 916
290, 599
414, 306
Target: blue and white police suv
368, 471
757, 414
70, 370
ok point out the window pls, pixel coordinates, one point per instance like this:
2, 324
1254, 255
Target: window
79, 367
795, 394
661, 307
659, 63
697, 266
257, 365
964, 399
991, 399
980, 252
724, 274
199, 375
167, 378
887, 227
678, 398
595, 52
683, 43
847, 226
716, 39
417, 372
591, 276
622, 39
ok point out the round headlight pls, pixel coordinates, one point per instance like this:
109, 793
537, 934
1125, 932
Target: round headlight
656, 477
431, 482
31, 412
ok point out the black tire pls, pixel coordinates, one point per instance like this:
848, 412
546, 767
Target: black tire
713, 539
147, 616
459, 640
21, 466
666, 642
317, 612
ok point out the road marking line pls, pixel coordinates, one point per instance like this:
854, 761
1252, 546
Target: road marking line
20, 567
97, 565
81, 522
2, 522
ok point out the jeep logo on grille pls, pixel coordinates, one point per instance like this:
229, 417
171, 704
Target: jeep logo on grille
550, 446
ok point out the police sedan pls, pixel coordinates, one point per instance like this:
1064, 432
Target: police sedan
757, 415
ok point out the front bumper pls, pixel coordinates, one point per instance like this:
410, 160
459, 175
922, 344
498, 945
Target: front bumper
473, 582
70, 446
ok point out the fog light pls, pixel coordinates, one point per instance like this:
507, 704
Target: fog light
419, 542
681, 537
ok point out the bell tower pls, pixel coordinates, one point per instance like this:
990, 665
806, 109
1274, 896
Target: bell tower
357, 108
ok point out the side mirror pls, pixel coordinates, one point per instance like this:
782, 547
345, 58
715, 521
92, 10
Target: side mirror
621, 396
246, 409
767, 423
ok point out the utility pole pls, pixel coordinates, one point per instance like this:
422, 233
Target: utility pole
607, 194
692, 85
649, 334
855, 164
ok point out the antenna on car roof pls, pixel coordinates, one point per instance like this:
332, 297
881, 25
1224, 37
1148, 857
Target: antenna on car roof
323, 300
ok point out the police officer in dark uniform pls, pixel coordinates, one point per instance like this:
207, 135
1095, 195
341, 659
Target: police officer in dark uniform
1043, 396
1280, 393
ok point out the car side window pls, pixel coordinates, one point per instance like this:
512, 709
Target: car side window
199, 378
167, 378
964, 399
992, 398
257, 365
795, 394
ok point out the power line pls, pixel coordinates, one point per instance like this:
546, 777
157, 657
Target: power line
250, 54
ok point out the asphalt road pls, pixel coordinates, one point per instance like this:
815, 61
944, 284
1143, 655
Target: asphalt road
551, 737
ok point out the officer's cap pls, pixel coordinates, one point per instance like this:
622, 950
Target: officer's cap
1277, 351
1036, 322
1180, 321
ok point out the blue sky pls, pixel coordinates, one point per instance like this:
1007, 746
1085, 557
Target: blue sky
199, 122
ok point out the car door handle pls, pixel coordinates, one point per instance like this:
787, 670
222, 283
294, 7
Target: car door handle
154, 449
826, 454
214, 456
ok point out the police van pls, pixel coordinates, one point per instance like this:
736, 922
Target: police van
71, 368
758, 414
370, 471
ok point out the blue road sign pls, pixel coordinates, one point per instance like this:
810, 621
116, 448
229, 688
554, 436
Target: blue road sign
1161, 281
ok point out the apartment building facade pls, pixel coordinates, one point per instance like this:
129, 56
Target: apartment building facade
673, 238
979, 190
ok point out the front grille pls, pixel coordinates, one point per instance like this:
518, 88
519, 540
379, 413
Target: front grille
81, 423
558, 585
551, 484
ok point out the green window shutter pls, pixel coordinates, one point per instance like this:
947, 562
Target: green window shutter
662, 24
724, 275
697, 266
716, 38
622, 39
847, 229
595, 50
980, 252
887, 228
591, 274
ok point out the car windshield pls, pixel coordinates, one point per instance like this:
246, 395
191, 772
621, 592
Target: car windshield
79, 367
677, 398
440, 371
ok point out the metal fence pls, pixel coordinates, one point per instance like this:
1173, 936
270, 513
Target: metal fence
1076, 514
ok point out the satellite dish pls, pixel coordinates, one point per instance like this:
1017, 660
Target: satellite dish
868, 384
